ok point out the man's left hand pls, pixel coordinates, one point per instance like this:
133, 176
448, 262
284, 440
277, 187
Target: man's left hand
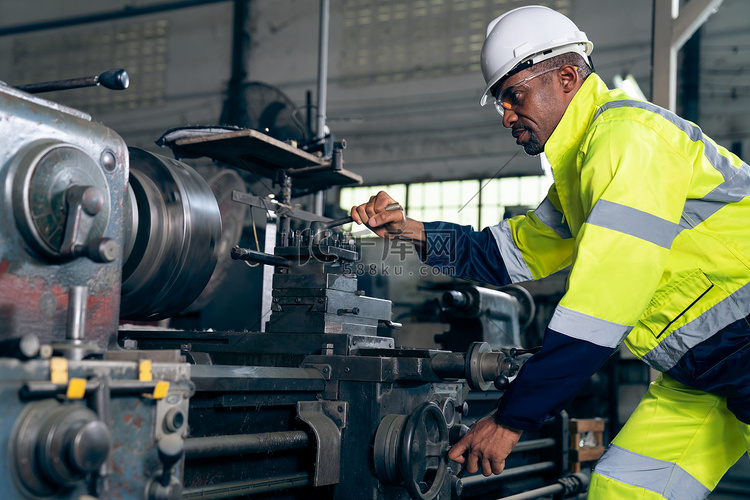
487, 443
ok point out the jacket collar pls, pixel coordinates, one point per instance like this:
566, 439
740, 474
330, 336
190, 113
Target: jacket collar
576, 120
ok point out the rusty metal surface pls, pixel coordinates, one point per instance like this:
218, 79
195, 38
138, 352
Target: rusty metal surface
34, 288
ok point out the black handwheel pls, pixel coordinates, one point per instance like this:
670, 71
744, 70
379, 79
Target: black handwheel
424, 462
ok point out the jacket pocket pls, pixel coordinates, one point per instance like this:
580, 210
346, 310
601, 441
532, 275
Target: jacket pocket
668, 308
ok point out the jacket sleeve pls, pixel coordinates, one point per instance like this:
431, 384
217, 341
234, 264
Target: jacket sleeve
549, 380
520, 249
462, 252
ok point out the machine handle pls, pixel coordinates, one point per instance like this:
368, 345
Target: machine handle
115, 79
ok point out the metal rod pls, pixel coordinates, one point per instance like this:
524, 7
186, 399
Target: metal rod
222, 446
539, 492
318, 202
38, 389
249, 255
77, 301
565, 486
26, 346
473, 481
533, 444
323, 68
239, 488
236, 104
113, 79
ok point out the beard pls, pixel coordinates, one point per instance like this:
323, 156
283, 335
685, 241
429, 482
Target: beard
534, 147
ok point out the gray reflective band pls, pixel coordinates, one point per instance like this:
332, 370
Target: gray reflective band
552, 218
664, 478
698, 211
729, 191
634, 222
584, 327
514, 263
736, 185
669, 351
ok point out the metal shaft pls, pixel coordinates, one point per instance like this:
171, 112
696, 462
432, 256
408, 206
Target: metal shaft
523, 470
77, 299
221, 446
323, 68
251, 487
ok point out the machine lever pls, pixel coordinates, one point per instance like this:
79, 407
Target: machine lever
255, 256
115, 79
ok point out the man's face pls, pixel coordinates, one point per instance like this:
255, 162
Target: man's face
532, 107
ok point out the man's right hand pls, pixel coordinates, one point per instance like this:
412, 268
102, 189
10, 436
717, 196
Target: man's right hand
390, 224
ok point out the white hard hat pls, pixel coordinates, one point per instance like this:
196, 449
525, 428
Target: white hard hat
526, 36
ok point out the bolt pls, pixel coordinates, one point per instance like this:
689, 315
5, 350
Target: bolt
108, 161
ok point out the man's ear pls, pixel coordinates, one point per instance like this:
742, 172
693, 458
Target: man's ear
569, 78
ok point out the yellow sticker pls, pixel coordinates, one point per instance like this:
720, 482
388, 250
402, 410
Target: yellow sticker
161, 390
76, 388
144, 371
58, 368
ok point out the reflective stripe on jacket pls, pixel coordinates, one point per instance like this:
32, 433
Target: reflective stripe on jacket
651, 215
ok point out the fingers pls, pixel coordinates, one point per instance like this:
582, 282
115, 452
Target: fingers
486, 467
474, 461
374, 213
479, 451
456, 453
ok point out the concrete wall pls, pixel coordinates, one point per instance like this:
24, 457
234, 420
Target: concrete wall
410, 129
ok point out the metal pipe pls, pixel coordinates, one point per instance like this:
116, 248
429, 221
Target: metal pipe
38, 389
319, 202
222, 446
473, 481
565, 486
539, 492
533, 444
323, 68
236, 104
239, 488
249, 255
77, 299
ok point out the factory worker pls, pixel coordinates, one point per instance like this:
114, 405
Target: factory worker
651, 216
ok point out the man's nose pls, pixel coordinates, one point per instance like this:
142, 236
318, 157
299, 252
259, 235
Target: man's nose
509, 118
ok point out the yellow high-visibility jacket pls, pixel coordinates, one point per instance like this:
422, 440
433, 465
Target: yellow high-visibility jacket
654, 219
659, 222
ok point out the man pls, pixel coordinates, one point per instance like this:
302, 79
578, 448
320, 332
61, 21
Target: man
651, 216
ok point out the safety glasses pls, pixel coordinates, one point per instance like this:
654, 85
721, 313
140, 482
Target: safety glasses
509, 98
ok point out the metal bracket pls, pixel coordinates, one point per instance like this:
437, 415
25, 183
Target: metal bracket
327, 419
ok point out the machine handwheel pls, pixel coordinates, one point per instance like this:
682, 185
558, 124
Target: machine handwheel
424, 463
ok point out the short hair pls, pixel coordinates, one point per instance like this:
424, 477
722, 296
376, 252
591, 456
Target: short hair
571, 58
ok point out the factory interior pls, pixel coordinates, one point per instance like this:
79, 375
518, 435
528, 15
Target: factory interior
186, 309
